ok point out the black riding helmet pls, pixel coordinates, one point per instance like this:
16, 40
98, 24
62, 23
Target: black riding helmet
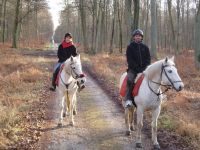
137, 32
68, 35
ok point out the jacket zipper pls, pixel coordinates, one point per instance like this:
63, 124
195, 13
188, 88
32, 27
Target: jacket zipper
140, 57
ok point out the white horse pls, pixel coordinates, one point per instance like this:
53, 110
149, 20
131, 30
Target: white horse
71, 78
160, 73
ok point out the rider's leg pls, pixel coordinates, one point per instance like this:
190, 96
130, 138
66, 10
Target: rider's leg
131, 75
55, 73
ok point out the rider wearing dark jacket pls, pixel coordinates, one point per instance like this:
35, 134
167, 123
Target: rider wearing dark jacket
65, 50
138, 58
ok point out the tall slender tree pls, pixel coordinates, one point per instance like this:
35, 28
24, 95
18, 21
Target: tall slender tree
153, 29
16, 24
197, 38
136, 14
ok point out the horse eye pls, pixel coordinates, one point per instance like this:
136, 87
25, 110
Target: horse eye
170, 71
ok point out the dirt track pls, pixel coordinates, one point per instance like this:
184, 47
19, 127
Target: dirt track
99, 124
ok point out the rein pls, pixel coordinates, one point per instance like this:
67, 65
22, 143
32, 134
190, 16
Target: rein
160, 84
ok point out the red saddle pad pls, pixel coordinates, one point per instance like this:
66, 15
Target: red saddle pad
58, 76
135, 89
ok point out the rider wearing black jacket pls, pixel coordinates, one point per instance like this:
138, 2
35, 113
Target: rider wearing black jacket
138, 58
65, 50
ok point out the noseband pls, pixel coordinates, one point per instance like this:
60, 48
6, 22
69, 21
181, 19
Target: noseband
164, 85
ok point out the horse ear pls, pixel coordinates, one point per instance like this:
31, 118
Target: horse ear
172, 59
166, 59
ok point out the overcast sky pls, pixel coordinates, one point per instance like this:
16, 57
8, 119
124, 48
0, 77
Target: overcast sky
55, 7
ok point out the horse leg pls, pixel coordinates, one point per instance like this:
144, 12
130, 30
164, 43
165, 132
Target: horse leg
155, 115
131, 119
71, 107
67, 104
75, 104
128, 132
61, 98
139, 127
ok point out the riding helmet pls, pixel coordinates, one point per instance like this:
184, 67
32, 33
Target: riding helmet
138, 32
68, 35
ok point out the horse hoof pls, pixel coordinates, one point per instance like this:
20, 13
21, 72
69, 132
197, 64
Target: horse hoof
128, 133
74, 112
138, 145
132, 129
64, 114
71, 124
59, 124
156, 147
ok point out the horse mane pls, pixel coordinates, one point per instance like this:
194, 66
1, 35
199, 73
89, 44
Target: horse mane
152, 69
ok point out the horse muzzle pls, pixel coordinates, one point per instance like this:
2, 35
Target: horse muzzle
179, 87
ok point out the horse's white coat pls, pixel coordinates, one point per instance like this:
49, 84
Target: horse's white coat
67, 96
146, 99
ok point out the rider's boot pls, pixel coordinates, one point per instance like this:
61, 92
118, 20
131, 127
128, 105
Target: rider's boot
129, 97
53, 84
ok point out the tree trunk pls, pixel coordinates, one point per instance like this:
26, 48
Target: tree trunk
127, 20
83, 24
120, 27
97, 32
94, 16
146, 23
4, 20
16, 24
136, 14
197, 39
178, 27
153, 29
187, 26
171, 22
113, 27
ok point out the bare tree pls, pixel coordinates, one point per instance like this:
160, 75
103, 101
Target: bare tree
197, 38
153, 29
113, 26
83, 24
3, 19
16, 24
171, 22
127, 19
136, 14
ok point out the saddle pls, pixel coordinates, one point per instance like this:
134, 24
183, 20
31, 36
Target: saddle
135, 89
58, 74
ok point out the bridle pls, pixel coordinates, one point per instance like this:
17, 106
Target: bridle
160, 84
74, 74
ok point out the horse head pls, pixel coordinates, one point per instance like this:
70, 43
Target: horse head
76, 71
170, 75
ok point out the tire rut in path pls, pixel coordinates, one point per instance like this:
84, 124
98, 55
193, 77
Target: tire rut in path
99, 124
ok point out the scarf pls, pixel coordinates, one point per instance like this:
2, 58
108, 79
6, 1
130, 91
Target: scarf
66, 44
